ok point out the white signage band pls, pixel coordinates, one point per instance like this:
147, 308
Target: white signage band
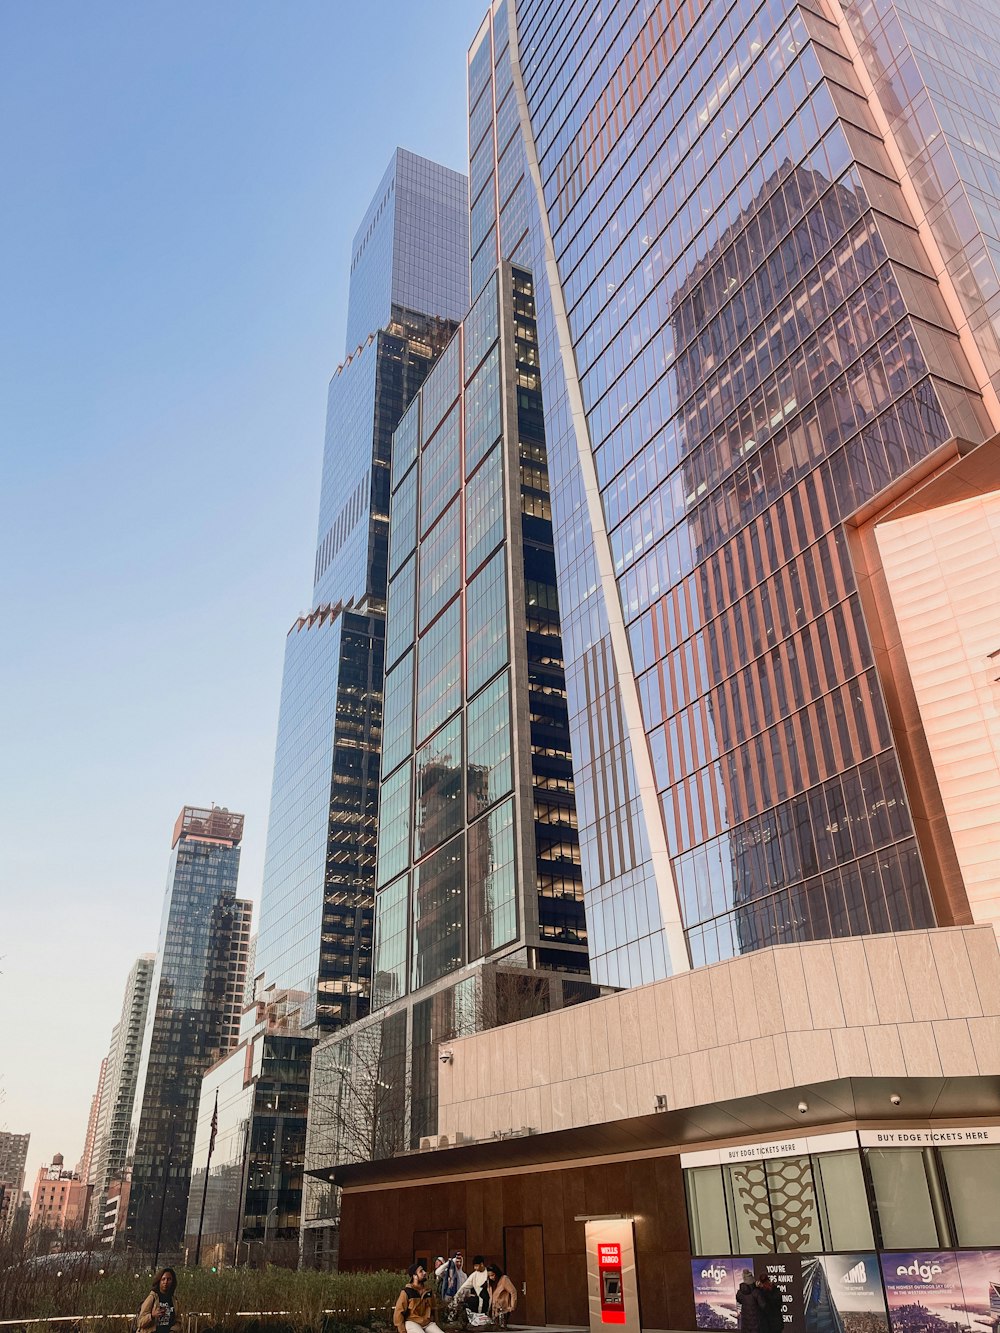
793, 1147
943, 1136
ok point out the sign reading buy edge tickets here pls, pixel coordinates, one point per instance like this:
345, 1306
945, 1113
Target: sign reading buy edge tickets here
609, 1266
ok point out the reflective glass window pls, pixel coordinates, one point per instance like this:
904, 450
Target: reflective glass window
480, 68
484, 512
843, 1201
438, 796
439, 913
482, 327
484, 262
492, 881
483, 415
399, 612
481, 166
507, 121
439, 471
902, 1198
440, 389
397, 714
480, 117
440, 565
973, 1179
490, 773
486, 634
483, 215
403, 522
392, 930
706, 1203
405, 441
394, 824
439, 671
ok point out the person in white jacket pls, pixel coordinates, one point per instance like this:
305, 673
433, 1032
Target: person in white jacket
475, 1291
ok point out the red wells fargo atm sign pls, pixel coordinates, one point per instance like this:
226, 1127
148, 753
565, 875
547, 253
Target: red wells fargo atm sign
609, 1263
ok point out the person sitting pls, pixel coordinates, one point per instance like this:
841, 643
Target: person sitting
415, 1304
474, 1291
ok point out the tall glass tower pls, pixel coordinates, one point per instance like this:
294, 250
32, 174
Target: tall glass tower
409, 284
195, 998
765, 240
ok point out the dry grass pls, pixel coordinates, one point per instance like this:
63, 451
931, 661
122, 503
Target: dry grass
233, 1299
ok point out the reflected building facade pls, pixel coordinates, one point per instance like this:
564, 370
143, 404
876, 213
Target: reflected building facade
193, 1017
408, 286
765, 250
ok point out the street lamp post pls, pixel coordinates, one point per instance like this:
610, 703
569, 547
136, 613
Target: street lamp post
273, 1212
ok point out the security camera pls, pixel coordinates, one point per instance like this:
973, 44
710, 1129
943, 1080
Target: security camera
803, 1107
895, 1099
446, 1057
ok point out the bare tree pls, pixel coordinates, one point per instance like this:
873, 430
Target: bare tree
358, 1097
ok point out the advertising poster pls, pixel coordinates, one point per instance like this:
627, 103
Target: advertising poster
924, 1292
979, 1271
715, 1282
845, 1291
785, 1271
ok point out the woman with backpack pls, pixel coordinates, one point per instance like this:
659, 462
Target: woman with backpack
158, 1312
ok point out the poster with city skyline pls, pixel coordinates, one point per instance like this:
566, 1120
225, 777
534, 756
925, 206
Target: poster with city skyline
932, 1291
715, 1281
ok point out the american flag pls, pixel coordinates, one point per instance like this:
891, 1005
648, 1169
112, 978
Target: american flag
215, 1124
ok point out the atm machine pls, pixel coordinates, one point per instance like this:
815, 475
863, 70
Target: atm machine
611, 1276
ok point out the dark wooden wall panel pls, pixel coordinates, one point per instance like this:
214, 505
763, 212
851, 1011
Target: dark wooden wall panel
377, 1229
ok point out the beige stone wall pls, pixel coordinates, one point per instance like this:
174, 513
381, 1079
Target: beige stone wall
919, 1004
942, 568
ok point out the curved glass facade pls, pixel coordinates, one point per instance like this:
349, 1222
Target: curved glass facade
757, 339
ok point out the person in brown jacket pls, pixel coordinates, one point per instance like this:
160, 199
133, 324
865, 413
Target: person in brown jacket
503, 1294
415, 1304
158, 1312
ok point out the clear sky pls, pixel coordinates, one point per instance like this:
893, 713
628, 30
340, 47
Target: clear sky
180, 185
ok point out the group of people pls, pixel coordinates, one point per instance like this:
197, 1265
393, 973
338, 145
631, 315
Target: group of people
485, 1294
760, 1304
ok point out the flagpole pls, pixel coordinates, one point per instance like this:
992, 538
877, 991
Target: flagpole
208, 1163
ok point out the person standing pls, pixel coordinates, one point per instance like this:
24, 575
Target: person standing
748, 1299
158, 1312
771, 1316
450, 1275
475, 1289
503, 1294
414, 1306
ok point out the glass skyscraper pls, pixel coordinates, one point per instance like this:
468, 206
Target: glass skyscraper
195, 1000
409, 284
479, 914
764, 241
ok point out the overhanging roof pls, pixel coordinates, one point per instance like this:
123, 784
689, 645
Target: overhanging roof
837, 1102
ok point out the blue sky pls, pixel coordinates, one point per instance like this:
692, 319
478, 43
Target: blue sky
181, 183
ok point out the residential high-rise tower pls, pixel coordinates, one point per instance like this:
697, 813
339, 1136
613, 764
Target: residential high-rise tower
118, 1097
196, 997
